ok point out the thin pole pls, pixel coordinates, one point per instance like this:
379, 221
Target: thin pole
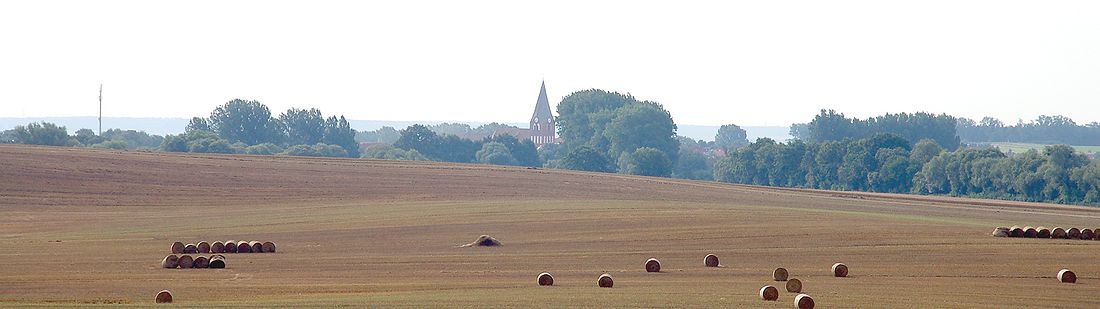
101, 109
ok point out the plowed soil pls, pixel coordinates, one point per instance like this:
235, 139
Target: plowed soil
81, 227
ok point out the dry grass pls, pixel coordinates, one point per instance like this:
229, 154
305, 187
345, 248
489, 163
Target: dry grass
398, 222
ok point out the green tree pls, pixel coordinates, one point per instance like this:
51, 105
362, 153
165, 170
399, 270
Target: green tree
41, 133
249, 122
731, 136
339, 132
198, 124
496, 153
385, 134
583, 115
648, 161
87, 137
523, 151
303, 126
420, 138
644, 124
586, 158
692, 165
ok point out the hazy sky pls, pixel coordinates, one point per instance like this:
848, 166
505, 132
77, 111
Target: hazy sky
747, 62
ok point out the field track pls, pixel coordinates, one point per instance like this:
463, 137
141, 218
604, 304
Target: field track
85, 227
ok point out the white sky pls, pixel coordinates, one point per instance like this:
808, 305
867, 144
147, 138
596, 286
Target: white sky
709, 63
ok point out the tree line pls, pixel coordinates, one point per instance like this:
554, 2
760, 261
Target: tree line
830, 125
1042, 130
889, 163
50, 134
920, 154
248, 127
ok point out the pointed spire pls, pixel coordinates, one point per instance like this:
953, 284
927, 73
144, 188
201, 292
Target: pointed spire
542, 107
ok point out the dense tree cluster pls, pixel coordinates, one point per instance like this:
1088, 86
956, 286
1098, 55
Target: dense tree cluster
45, 133
888, 163
1044, 130
601, 127
500, 149
241, 126
832, 126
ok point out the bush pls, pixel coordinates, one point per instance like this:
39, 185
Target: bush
113, 144
263, 149
317, 150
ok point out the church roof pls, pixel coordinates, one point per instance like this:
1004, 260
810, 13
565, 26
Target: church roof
542, 107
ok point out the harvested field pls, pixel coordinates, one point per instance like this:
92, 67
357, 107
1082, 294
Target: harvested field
398, 224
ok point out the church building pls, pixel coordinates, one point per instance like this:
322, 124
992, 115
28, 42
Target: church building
541, 129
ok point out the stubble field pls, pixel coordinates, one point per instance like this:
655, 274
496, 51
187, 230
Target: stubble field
82, 227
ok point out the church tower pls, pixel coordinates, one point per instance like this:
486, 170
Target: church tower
542, 128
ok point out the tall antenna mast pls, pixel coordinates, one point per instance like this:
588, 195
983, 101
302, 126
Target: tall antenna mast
100, 109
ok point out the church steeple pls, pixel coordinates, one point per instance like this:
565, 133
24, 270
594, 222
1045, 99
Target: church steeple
542, 107
542, 120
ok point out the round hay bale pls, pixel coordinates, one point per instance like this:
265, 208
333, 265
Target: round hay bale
794, 285
201, 262
840, 270
1096, 233
177, 248
244, 247
1087, 234
1073, 233
164, 296
1000, 232
1067, 276
803, 301
217, 247
779, 274
231, 246
203, 247
605, 281
1016, 231
1043, 232
1030, 232
769, 293
217, 261
710, 260
268, 247
170, 261
257, 247
652, 266
190, 249
1058, 233
546, 279
186, 261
